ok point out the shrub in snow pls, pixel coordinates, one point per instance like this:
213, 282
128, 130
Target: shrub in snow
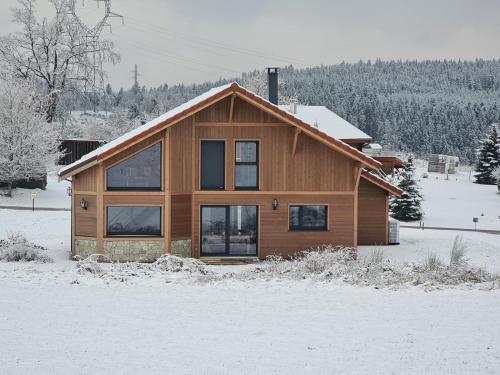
432, 262
91, 264
172, 263
488, 157
457, 254
17, 248
376, 256
122, 272
331, 263
408, 206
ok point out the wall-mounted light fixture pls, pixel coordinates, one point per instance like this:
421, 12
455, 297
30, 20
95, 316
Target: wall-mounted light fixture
69, 191
275, 204
83, 204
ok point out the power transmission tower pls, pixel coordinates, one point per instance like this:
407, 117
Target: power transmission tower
91, 39
136, 75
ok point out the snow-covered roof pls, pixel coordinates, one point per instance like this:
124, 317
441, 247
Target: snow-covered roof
374, 146
328, 122
326, 132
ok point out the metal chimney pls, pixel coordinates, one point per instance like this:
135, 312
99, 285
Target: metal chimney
272, 84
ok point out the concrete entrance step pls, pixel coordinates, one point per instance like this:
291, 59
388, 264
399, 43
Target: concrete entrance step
229, 260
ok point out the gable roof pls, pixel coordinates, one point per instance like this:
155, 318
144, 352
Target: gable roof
381, 183
200, 102
328, 122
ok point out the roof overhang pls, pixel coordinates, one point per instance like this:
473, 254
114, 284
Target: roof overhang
393, 161
155, 126
356, 140
381, 183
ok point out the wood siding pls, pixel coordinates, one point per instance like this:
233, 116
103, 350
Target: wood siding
134, 199
274, 236
181, 217
85, 181
372, 214
85, 220
242, 112
315, 167
181, 156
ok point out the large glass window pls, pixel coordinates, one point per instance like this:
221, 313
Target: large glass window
141, 172
247, 165
213, 230
133, 221
308, 217
229, 230
212, 165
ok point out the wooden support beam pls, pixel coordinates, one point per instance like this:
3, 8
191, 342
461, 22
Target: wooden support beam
358, 168
231, 108
295, 140
167, 187
100, 209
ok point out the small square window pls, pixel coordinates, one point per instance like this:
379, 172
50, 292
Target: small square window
312, 217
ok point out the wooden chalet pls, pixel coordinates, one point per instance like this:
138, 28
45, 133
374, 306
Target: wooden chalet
227, 174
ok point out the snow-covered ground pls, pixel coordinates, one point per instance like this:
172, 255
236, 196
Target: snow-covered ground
241, 328
55, 321
483, 250
454, 202
54, 196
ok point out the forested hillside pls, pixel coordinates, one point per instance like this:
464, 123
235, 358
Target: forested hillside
423, 107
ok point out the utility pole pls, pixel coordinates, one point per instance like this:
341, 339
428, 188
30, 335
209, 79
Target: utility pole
135, 75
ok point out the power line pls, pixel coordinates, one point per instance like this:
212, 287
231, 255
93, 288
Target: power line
176, 56
160, 56
215, 44
197, 46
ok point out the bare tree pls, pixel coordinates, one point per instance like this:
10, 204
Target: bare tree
60, 53
28, 144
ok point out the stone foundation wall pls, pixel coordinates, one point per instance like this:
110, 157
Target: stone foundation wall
181, 248
84, 248
134, 251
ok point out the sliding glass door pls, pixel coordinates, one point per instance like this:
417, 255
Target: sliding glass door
229, 230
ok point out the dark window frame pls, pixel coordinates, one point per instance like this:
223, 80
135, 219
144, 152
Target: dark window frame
300, 227
127, 188
256, 163
227, 230
110, 234
223, 187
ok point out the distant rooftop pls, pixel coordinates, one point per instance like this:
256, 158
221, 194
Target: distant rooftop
328, 122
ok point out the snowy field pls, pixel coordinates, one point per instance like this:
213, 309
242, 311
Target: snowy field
55, 195
57, 321
454, 202
241, 328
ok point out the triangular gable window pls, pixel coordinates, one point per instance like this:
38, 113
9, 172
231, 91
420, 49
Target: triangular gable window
140, 172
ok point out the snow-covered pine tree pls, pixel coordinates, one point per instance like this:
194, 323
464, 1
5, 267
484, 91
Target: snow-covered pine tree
408, 206
28, 144
488, 155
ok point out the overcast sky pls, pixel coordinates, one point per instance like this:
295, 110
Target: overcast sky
190, 41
